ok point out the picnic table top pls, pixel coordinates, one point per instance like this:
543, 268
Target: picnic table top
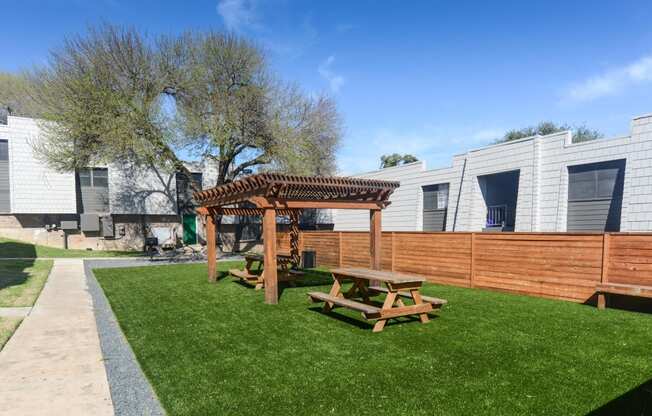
383, 276
258, 256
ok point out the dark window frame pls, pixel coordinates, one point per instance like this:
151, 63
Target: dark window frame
4, 144
435, 189
90, 173
593, 172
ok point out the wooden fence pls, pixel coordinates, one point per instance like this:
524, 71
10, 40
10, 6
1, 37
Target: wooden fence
555, 265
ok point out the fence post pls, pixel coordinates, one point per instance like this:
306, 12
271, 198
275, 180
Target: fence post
339, 247
604, 276
472, 273
393, 252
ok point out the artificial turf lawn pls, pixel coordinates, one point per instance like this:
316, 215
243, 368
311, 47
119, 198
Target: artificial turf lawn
21, 281
13, 249
218, 349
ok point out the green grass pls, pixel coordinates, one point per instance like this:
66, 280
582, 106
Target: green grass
218, 349
7, 328
21, 281
12, 248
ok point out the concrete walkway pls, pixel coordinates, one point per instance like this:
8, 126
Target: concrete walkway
53, 364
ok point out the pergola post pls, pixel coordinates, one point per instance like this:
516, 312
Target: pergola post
269, 244
211, 247
375, 235
294, 238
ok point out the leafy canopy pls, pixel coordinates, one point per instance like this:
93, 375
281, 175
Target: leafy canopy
580, 133
395, 159
113, 94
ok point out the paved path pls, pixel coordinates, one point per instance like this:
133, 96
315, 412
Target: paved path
53, 364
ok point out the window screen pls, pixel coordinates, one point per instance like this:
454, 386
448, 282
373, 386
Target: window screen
435, 197
596, 181
100, 177
4, 150
85, 177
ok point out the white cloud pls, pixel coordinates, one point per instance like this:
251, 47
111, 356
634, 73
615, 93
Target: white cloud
335, 81
611, 82
238, 15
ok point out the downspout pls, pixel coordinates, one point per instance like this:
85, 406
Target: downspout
459, 194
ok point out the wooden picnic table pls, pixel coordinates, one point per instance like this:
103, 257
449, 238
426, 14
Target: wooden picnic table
397, 288
253, 275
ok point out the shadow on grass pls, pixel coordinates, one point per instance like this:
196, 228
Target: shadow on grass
368, 325
13, 272
637, 401
624, 302
10, 249
311, 278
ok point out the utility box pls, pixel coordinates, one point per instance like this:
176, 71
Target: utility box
68, 225
107, 226
90, 222
308, 259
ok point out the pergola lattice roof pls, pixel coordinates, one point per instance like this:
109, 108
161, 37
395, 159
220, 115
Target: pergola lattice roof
281, 187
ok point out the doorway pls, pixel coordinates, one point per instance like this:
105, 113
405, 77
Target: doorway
189, 229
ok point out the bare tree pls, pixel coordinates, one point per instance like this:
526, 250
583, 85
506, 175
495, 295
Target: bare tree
231, 110
113, 94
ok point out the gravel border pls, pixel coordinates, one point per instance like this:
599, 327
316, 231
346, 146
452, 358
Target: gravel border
131, 392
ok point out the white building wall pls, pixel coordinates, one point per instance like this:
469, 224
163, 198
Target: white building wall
34, 187
542, 203
516, 155
401, 213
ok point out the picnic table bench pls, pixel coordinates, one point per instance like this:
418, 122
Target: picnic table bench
254, 276
396, 288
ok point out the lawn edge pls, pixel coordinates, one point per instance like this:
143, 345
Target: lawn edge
131, 391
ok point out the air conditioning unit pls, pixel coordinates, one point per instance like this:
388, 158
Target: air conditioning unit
68, 225
90, 222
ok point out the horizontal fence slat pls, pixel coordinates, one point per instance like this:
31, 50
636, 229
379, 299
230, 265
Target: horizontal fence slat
565, 266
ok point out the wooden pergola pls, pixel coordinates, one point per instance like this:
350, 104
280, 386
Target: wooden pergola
271, 194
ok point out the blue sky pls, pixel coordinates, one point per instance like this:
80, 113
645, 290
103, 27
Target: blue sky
431, 78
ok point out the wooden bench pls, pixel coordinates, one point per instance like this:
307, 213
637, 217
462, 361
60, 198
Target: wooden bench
435, 302
604, 289
367, 310
257, 278
397, 287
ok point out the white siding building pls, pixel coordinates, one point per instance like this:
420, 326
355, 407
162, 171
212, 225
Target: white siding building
541, 183
127, 203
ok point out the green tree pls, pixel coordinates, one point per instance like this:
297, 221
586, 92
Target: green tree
115, 95
395, 159
580, 133
14, 95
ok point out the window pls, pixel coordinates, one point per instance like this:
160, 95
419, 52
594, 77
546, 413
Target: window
100, 178
595, 181
435, 197
95, 178
595, 193
435, 202
4, 151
